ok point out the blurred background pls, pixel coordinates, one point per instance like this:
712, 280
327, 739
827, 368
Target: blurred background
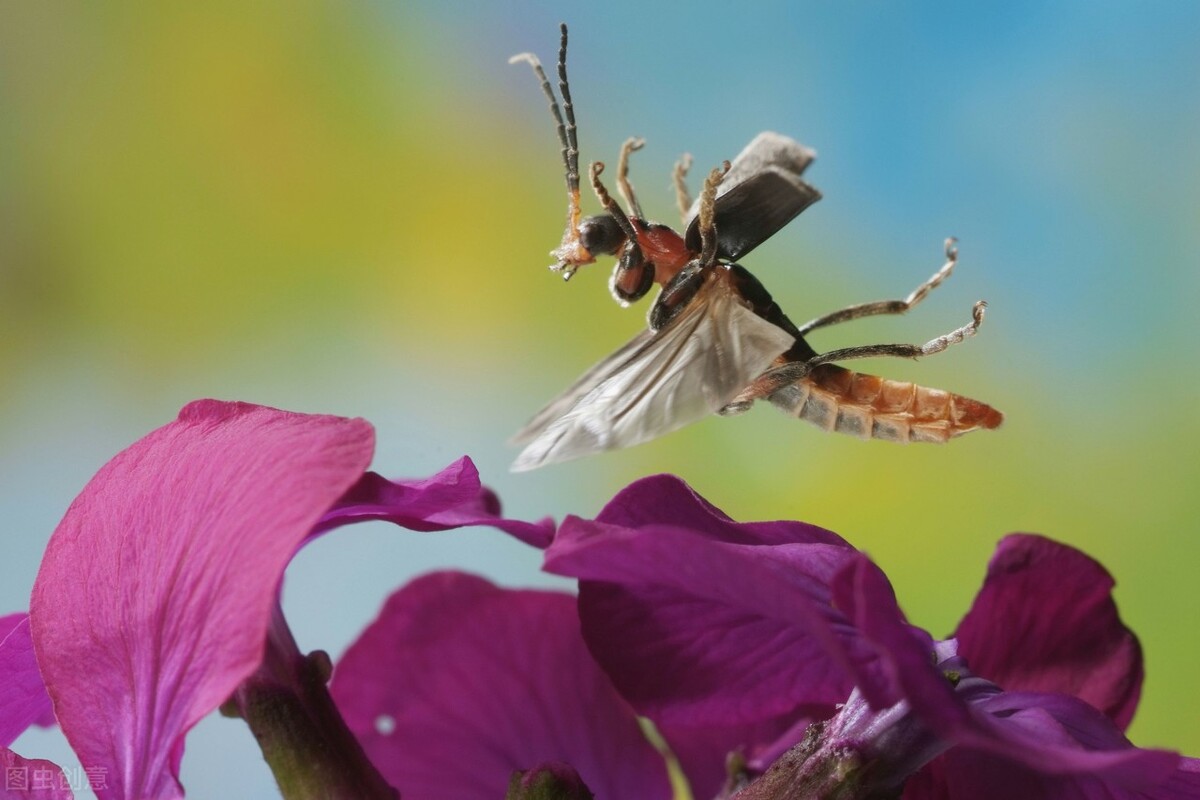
347, 208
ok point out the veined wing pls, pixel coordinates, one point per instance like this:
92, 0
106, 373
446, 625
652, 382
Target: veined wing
761, 193
658, 383
584, 384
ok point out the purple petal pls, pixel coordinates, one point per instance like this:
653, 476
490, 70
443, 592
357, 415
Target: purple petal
451, 499
905, 668
978, 775
668, 500
695, 631
31, 778
1048, 734
156, 590
459, 683
23, 698
1045, 621
721, 632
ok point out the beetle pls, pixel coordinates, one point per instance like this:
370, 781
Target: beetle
717, 341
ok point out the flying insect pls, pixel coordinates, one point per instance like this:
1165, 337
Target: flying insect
716, 340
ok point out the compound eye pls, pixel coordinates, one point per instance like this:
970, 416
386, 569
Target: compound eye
601, 235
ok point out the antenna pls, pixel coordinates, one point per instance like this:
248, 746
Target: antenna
570, 253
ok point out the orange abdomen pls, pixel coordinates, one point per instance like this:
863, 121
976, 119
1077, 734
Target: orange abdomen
837, 399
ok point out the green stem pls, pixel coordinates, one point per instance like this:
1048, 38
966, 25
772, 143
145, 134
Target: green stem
303, 737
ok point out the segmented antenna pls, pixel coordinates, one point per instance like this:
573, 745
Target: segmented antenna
570, 254
564, 128
568, 137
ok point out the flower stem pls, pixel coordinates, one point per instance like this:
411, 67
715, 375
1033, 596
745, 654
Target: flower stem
303, 737
812, 770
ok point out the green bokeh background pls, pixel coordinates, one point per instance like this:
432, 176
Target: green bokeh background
346, 208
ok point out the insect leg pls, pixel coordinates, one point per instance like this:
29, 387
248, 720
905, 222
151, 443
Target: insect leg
776, 378
682, 196
708, 222
889, 306
676, 295
609, 204
683, 287
623, 186
633, 275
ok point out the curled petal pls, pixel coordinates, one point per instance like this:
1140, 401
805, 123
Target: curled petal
668, 500
451, 499
458, 684
964, 772
155, 593
1045, 621
1057, 737
903, 653
722, 633
23, 698
700, 632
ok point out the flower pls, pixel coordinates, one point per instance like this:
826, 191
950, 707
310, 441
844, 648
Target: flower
458, 684
159, 587
158, 600
736, 637
722, 633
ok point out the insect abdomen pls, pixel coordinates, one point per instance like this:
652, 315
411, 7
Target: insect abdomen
837, 399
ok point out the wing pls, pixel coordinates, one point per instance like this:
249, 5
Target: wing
761, 193
657, 383
584, 384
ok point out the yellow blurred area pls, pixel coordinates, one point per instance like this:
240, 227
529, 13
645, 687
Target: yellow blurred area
180, 179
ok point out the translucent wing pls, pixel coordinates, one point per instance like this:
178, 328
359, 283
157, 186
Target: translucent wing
659, 382
761, 193
584, 384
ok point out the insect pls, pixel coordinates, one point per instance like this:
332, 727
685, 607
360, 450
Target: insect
716, 340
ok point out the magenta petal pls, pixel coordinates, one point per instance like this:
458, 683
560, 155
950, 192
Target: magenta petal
697, 632
668, 500
23, 698
451, 499
1058, 734
721, 632
1065, 726
156, 589
704, 621
980, 776
31, 778
1045, 621
1047, 734
458, 684
905, 670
